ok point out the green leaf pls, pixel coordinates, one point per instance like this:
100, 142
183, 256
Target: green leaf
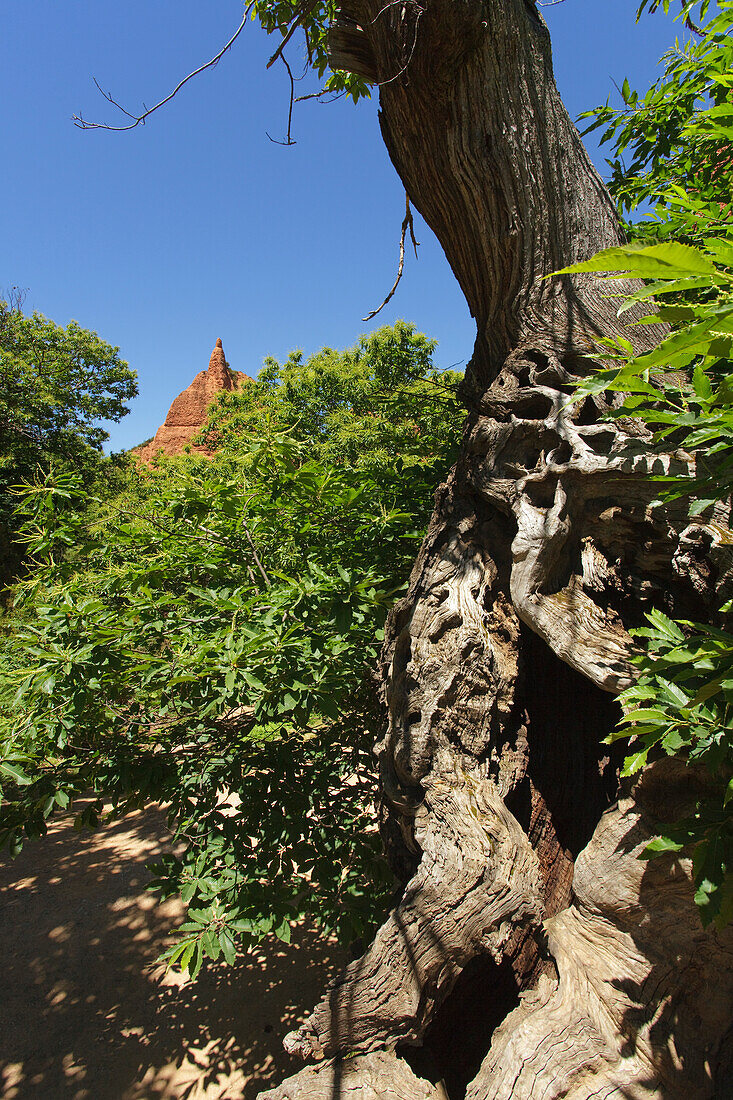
701, 384
655, 714
673, 742
14, 772
665, 625
634, 763
672, 693
707, 691
283, 932
228, 946
187, 954
721, 249
697, 507
658, 261
659, 845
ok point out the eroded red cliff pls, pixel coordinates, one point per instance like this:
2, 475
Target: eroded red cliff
188, 413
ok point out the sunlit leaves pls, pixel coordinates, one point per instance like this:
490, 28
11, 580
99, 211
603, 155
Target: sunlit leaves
56, 385
206, 638
312, 21
672, 144
682, 702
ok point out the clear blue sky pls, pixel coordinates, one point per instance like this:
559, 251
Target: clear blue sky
196, 225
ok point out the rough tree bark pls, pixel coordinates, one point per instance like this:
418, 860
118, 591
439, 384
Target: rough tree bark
533, 954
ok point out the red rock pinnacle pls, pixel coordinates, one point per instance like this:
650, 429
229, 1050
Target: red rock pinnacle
188, 413
218, 366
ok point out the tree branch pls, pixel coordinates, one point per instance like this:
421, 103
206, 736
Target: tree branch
82, 123
694, 27
406, 224
318, 95
256, 556
304, 10
288, 139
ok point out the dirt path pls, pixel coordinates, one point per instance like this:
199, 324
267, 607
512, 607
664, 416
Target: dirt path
86, 1015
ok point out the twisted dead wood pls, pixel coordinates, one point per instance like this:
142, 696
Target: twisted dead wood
476, 882
501, 663
644, 1000
376, 1076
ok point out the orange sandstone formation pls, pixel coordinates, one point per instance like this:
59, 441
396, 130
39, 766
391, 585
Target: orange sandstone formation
187, 415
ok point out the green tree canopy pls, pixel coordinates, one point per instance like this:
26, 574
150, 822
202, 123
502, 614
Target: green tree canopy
672, 146
208, 637
681, 137
56, 385
381, 407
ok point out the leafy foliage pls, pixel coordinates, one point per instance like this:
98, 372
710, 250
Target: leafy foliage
313, 19
681, 704
380, 407
207, 639
56, 384
678, 135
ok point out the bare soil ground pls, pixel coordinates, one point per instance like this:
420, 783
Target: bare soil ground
85, 1013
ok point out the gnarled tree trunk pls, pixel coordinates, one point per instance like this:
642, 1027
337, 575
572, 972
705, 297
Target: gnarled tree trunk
533, 954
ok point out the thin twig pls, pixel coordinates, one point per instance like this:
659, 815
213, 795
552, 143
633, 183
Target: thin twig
255, 555
406, 224
288, 140
381, 83
138, 119
391, 4
208, 538
317, 95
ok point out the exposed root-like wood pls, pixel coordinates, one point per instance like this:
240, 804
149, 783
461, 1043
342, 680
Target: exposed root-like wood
377, 1076
477, 881
543, 547
450, 663
645, 995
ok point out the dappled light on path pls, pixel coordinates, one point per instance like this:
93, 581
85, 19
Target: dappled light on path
85, 1014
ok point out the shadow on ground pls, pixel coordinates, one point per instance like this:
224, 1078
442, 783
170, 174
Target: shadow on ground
85, 1014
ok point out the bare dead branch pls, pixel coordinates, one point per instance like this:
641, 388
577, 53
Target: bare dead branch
14, 298
141, 119
288, 139
406, 224
319, 95
255, 555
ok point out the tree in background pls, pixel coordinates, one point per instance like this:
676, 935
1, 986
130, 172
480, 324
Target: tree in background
381, 407
673, 145
56, 385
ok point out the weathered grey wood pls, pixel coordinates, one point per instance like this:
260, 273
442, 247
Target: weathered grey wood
377, 1076
645, 996
477, 881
